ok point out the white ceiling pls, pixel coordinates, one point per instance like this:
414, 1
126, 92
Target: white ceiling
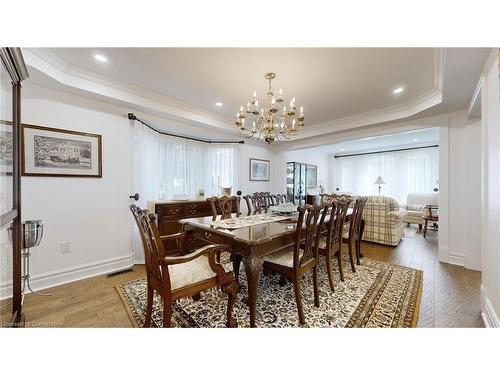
340, 88
416, 138
330, 83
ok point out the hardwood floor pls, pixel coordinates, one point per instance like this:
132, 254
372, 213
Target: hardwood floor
451, 294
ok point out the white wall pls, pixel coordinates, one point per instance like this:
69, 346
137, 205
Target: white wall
259, 150
460, 195
91, 213
472, 146
490, 197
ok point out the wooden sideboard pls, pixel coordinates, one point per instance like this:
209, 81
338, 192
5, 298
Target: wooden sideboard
169, 213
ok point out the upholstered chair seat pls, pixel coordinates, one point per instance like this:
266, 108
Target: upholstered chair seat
283, 257
192, 272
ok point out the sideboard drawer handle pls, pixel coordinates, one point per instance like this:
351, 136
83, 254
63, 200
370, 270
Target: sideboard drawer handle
208, 235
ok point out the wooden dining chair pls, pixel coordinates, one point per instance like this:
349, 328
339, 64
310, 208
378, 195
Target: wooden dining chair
280, 198
331, 239
255, 204
224, 206
265, 198
352, 237
175, 277
328, 198
294, 263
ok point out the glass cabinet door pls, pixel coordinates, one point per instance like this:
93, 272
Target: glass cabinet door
290, 181
12, 72
7, 211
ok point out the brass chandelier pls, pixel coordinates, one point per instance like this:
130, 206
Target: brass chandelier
274, 120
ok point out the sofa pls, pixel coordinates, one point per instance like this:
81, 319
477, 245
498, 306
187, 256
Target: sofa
384, 220
415, 203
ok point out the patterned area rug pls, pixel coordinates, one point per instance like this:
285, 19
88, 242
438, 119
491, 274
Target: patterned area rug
377, 295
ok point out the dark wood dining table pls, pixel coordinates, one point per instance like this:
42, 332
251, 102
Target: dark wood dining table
248, 245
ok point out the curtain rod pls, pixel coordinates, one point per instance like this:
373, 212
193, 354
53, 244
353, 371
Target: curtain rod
131, 116
382, 152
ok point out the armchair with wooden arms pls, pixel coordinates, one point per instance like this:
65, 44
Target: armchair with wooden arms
175, 277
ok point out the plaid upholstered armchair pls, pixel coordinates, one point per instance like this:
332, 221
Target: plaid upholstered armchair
383, 220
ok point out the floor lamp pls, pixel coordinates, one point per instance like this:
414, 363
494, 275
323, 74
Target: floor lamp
379, 181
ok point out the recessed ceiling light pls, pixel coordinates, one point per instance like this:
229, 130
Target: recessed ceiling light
399, 90
218, 104
342, 150
100, 58
415, 139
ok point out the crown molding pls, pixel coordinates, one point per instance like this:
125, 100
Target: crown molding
139, 99
474, 108
403, 125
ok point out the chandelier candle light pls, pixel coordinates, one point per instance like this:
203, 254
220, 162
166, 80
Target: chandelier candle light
274, 120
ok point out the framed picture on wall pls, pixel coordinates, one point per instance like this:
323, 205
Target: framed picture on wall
55, 152
6, 149
259, 170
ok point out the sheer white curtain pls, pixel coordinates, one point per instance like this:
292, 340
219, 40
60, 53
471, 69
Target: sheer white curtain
403, 172
165, 166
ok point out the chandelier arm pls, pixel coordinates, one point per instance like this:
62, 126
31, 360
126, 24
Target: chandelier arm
271, 121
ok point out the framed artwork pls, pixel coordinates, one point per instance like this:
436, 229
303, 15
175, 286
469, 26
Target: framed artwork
259, 170
6, 148
55, 152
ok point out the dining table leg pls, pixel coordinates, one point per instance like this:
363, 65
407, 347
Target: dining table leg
253, 266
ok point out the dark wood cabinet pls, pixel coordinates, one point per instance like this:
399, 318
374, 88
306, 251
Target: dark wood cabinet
169, 213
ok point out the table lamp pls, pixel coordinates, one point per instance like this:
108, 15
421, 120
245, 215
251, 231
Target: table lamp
379, 181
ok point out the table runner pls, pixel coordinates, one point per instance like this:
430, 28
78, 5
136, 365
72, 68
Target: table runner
247, 221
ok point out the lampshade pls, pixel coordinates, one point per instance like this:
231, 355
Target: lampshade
379, 181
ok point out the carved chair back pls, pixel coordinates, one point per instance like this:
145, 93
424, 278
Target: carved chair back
154, 250
357, 214
265, 197
328, 198
224, 206
335, 226
310, 220
255, 204
280, 198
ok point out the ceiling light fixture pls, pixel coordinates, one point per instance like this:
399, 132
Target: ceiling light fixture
100, 58
399, 90
415, 139
342, 150
273, 120
218, 104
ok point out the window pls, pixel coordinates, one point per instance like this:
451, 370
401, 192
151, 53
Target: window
166, 166
403, 172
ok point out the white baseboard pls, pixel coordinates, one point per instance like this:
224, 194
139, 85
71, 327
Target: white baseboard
456, 258
70, 274
488, 313
447, 256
